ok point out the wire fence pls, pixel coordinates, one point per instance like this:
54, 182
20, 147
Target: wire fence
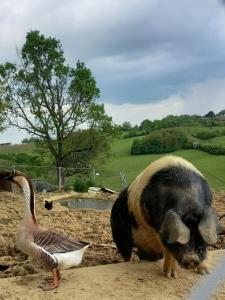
50, 178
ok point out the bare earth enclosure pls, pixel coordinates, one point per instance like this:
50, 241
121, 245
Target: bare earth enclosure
114, 281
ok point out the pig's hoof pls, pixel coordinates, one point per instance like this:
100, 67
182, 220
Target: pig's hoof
172, 273
168, 274
202, 269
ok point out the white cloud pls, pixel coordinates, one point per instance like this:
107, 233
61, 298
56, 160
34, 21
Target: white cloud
205, 96
13, 136
146, 43
136, 113
137, 49
198, 99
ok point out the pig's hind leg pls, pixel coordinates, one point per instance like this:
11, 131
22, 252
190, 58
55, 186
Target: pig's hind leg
121, 226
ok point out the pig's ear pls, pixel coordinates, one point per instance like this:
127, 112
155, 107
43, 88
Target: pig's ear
209, 226
173, 229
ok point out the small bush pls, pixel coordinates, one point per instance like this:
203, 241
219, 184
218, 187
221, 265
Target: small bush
205, 134
89, 183
162, 141
213, 148
67, 187
81, 184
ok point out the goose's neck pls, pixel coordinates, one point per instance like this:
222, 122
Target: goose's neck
29, 199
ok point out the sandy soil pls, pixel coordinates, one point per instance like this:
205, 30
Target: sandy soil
123, 281
220, 294
92, 226
84, 224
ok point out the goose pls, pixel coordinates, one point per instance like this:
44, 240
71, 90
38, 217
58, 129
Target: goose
52, 249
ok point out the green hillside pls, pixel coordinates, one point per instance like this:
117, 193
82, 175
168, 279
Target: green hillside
212, 166
17, 148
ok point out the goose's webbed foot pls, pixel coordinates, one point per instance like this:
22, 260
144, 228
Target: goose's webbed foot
55, 283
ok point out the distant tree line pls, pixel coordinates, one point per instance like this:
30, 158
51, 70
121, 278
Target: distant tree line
209, 120
29, 140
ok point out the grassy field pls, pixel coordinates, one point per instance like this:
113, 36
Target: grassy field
212, 166
17, 148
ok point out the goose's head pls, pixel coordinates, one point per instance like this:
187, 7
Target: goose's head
16, 177
26, 185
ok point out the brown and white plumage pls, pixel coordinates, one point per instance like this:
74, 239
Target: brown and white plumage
52, 249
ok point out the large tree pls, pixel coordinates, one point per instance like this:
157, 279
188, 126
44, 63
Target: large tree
3, 116
3, 111
48, 98
146, 125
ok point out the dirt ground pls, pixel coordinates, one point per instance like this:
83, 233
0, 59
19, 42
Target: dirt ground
220, 293
83, 224
123, 281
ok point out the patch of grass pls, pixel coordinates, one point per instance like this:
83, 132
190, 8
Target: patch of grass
212, 166
18, 148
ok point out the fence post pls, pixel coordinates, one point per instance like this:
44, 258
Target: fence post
123, 179
60, 177
12, 185
93, 174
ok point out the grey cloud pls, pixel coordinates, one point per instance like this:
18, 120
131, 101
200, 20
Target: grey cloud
137, 49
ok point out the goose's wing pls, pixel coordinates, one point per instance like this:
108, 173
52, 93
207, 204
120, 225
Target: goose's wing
44, 257
54, 242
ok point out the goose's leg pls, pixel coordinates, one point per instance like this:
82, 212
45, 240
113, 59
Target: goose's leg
58, 274
55, 283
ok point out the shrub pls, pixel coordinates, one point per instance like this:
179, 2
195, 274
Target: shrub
205, 134
161, 141
213, 148
89, 182
79, 185
67, 187
82, 184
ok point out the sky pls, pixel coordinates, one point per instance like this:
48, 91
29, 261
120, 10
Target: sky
150, 58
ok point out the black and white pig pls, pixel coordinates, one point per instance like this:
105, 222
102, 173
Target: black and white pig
166, 211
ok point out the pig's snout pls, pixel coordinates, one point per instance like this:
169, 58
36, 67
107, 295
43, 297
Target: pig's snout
190, 261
